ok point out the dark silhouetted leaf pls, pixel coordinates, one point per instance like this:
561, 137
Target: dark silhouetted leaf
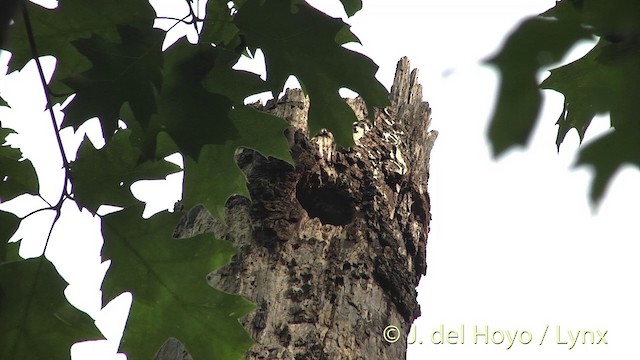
586, 87
171, 297
536, 43
321, 67
128, 71
56, 30
7, 10
218, 25
345, 36
351, 6
607, 154
215, 176
8, 226
189, 113
614, 20
105, 176
234, 84
607, 79
37, 321
604, 80
17, 176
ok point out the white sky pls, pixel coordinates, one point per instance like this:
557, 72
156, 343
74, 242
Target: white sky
514, 244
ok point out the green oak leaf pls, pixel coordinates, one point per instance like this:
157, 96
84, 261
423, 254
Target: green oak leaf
17, 176
56, 30
200, 91
218, 27
345, 36
621, 63
165, 145
127, 71
588, 90
614, 20
37, 321
171, 297
607, 154
236, 85
322, 66
351, 6
105, 176
187, 111
604, 80
215, 176
536, 43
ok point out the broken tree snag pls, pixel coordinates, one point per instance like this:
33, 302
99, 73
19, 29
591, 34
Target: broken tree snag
331, 249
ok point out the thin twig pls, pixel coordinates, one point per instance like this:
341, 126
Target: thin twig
36, 57
65, 162
188, 22
193, 15
37, 211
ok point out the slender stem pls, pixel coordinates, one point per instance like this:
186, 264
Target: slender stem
37, 211
197, 14
45, 200
183, 20
43, 80
65, 162
178, 21
193, 15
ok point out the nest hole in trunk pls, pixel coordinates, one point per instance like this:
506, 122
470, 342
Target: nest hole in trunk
329, 203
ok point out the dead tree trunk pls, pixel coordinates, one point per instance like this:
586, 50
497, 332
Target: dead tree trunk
331, 249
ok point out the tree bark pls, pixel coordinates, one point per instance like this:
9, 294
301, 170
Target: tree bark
331, 250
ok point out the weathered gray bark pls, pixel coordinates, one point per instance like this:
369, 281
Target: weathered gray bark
331, 249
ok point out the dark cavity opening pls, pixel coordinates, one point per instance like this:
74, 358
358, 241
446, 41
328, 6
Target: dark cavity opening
329, 204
